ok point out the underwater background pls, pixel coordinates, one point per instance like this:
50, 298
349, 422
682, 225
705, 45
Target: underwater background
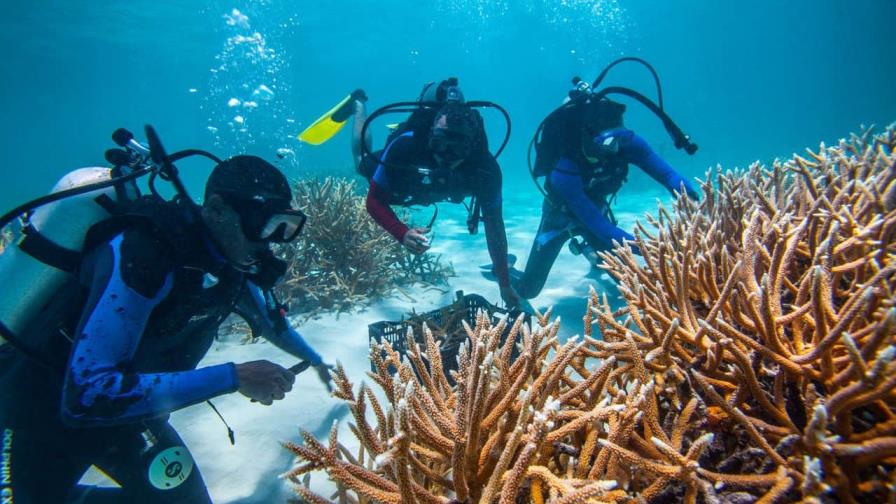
747, 81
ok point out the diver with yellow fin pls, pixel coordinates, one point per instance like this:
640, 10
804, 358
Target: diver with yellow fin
438, 153
330, 123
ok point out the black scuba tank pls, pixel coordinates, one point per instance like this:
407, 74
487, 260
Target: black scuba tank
566, 129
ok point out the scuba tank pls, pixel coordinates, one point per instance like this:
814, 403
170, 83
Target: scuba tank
39, 266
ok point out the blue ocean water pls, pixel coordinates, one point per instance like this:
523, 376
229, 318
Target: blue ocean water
747, 80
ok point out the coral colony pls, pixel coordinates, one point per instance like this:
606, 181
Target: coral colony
753, 362
344, 260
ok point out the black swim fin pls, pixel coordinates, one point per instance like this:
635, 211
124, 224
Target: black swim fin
511, 261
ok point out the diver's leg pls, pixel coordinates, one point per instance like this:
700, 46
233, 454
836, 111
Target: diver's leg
547, 244
163, 473
357, 125
40, 459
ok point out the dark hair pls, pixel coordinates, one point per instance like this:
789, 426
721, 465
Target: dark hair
248, 177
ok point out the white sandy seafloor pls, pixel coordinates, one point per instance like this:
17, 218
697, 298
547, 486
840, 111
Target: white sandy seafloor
248, 471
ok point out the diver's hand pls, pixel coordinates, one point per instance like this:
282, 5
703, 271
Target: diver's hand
264, 381
416, 241
323, 374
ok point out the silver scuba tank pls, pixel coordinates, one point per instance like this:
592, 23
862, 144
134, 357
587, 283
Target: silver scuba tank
29, 284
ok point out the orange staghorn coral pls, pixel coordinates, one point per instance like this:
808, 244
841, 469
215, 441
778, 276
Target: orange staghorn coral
779, 289
753, 362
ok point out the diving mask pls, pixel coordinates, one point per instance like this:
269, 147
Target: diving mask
448, 146
271, 220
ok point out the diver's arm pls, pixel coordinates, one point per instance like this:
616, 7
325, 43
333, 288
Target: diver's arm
496, 238
377, 204
492, 206
99, 387
273, 326
379, 193
637, 151
566, 181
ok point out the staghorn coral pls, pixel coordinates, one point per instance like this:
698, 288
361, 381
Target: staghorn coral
6, 237
343, 259
753, 362
488, 438
773, 300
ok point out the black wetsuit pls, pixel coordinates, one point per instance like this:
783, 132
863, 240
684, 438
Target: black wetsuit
120, 360
409, 175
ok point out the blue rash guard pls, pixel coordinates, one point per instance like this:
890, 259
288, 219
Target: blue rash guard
147, 323
568, 179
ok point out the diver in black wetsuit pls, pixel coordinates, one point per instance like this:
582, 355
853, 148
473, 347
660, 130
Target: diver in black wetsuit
153, 288
443, 158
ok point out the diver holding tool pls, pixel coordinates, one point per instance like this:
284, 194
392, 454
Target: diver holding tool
118, 297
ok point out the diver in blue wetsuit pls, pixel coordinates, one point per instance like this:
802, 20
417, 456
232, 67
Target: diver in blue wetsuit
584, 154
153, 287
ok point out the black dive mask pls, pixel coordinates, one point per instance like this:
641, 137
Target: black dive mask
448, 146
270, 220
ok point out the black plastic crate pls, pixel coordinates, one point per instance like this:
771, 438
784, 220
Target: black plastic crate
468, 305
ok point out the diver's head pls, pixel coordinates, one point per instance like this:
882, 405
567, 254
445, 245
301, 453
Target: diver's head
455, 134
248, 205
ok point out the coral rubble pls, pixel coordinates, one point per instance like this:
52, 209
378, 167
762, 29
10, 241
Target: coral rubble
343, 259
753, 362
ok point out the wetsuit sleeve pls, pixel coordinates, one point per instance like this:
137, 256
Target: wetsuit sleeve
566, 181
636, 150
378, 207
127, 278
495, 232
273, 326
379, 193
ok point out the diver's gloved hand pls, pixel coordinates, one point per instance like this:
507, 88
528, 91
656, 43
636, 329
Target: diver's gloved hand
264, 381
693, 194
359, 95
415, 240
323, 374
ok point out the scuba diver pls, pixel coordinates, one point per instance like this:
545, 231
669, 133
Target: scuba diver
124, 306
583, 151
439, 153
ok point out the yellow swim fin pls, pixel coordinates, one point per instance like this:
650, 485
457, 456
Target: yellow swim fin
330, 123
